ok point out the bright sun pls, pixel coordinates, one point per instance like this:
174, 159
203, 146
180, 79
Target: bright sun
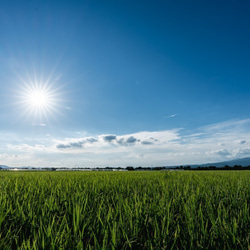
38, 98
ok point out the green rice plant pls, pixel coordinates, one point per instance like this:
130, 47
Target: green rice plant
125, 210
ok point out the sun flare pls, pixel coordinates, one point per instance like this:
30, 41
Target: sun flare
39, 100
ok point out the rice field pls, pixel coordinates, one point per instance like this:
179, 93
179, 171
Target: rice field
125, 210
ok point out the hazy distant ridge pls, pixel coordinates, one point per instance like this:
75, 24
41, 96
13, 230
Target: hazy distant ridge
244, 162
3, 166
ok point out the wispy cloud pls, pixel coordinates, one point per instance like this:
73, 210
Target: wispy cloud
170, 116
228, 125
39, 124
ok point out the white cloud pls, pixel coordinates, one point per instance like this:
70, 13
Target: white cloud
212, 143
243, 142
75, 143
27, 148
111, 140
8, 156
243, 152
223, 152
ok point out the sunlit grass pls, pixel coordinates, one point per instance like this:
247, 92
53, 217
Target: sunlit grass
123, 210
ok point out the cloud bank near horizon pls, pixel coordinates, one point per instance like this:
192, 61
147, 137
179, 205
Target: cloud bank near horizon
212, 143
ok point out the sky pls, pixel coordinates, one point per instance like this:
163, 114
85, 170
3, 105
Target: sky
124, 83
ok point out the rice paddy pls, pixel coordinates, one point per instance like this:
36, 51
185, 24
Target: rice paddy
125, 210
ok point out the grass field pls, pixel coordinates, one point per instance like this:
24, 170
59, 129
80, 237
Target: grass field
123, 210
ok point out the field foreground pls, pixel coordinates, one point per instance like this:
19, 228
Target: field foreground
123, 210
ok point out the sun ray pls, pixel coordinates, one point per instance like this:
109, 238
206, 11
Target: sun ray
39, 99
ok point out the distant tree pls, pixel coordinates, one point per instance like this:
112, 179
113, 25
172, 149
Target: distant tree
130, 168
237, 166
159, 168
139, 168
226, 167
212, 167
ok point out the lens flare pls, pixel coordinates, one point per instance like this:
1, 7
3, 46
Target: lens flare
39, 100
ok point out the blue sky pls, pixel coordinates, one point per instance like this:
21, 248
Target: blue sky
137, 83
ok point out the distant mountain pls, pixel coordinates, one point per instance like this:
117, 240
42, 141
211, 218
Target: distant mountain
3, 166
244, 162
